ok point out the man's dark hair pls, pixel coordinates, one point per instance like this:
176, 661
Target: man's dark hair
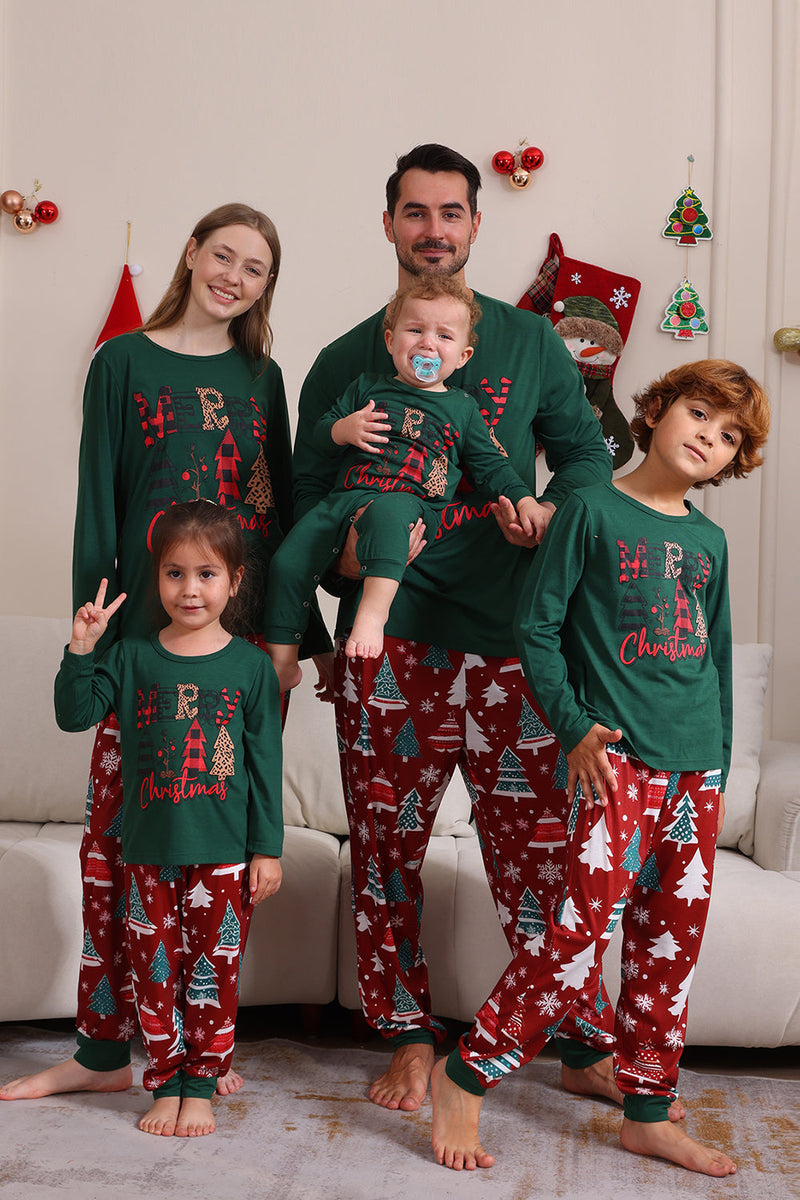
434, 158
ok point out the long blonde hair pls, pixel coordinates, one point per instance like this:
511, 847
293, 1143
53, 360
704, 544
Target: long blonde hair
250, 331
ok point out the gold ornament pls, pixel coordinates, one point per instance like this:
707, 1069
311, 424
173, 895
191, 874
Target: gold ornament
11, 201
519, 178
24, 221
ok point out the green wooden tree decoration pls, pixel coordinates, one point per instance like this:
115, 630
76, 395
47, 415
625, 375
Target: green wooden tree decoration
688, 223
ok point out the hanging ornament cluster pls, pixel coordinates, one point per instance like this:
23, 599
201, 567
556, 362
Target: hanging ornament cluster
687, 224
26, 211
519, 166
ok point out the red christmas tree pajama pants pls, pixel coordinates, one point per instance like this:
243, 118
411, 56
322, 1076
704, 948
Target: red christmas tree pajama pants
405, 721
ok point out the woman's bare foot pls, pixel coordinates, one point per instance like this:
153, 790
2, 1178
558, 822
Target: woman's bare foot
67, 1076
455, 1124
405, 1083
195, 1118
161, 1118
230, 1083
598, 1080
366, 637
666, 1140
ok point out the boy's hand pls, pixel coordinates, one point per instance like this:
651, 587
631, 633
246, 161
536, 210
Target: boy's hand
265, 877
589, 766
91, 621
363, 428
526, 524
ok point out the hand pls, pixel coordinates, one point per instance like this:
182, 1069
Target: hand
265, 877
91, 621
323, 688
363, 428
721, 813
348, 564
589, 766
529, 527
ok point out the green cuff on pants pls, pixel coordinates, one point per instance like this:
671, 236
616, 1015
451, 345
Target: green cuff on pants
102, 1056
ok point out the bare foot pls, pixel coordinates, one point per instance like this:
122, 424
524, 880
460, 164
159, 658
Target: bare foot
455, 1124
67, 1076
405, 1083
598, 1080
161, 1118
665, 1140
366, 637
230, 1083
196, 1118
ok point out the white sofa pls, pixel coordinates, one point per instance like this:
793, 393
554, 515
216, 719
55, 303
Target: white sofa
746, 990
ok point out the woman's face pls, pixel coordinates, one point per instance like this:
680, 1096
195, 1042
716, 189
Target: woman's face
230, 271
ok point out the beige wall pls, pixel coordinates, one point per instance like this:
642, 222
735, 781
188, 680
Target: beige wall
156, 112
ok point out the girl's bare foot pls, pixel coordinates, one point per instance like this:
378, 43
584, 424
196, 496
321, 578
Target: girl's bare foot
666, 1140
366, 637
161, 1118
195, 1118
67, 1076
230, 1083
405, 1083
598, 1080
455, 1124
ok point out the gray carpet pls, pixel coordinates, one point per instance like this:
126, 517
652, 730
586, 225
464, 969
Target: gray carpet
302, 1129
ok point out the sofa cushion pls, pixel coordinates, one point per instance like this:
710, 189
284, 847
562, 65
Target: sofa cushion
750, 674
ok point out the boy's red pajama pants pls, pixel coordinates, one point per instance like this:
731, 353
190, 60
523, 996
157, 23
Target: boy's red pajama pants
405, 721
647, 857
187, 928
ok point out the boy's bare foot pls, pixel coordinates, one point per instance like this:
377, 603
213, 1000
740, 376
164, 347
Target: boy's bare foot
598, 1080
195, 1118
405, 1083
67, 1076
455, 1124
665, 1140
161, 1118
366, 637
230, 1083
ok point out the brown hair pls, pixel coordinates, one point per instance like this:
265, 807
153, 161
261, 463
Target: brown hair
725, 385
217, 530
431, 288
250, 331
434, 158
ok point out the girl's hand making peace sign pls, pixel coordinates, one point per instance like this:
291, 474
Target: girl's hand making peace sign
91, 621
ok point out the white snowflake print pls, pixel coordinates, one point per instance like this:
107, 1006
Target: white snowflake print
612, 445
628, 1021
550, 872
644, 1002
595, 905
633, 791
426, 706
640, 915
430, 774
576, 278
127, 1029
620, 298
663, 989
693, 931
362, 786
512, 871
151, 880
548, 1004
630, 969
506, 827
674, 1038
105, 918
169, 921
395, 853
109, 762
363, 831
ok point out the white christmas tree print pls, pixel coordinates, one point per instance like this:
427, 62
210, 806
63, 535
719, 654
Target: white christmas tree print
494, 694
568, 915
199, 896
694, 884
473, 736
595, 850
681, 996
458, 692
575, 972
664, 946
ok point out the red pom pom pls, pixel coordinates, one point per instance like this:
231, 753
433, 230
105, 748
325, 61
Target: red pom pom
531, 158
503, 162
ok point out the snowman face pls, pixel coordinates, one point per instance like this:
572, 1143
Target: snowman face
584, 350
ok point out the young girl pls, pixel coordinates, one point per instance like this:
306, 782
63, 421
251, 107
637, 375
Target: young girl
190, 406
199, 715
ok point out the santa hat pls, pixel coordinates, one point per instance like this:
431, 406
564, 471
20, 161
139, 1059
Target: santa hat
583, 316
124, 314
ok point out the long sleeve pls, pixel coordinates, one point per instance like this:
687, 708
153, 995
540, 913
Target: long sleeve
718, 618
85, 691
486, 466
263, 761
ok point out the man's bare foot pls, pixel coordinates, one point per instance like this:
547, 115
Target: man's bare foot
195, 1118
665, 1140
405, 1083
67, 1076
366, 637
161, 1118
455, 1124
230, 1083
598, 1080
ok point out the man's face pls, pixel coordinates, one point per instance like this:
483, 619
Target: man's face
431, 228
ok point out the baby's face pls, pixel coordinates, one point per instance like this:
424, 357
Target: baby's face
429, 341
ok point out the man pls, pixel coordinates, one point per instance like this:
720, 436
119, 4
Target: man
448, 689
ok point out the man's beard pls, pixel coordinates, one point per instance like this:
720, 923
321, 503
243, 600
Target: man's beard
451, 264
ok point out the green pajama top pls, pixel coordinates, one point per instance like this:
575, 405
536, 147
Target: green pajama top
624, 620
461, 591
200, 743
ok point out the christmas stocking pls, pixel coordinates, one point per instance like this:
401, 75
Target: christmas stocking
579, 299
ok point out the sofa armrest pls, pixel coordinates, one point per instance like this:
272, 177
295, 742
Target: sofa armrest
777, 823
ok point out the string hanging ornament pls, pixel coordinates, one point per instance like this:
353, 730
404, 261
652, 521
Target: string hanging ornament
26, 211
519, 166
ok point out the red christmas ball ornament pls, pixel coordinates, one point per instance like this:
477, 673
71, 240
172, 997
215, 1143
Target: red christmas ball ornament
531, 158
503, 162
45, 212
11, 201
24, 221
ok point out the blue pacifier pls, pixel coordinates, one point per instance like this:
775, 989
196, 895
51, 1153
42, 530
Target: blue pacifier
425, 368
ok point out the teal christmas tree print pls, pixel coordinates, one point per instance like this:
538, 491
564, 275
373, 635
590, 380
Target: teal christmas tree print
386, 694
159, 967
228, 935
102, 999
202, 988
649, 877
